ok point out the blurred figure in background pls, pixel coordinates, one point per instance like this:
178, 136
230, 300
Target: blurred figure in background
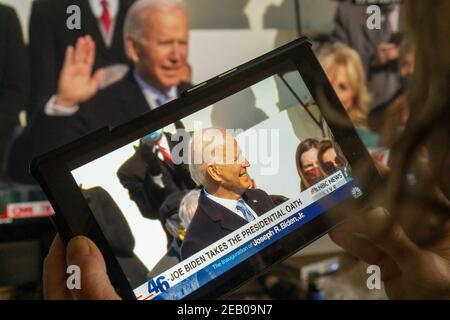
380, 119
177, 211
379, 48
188, 206
307, 163
396, 121
345, 71
117, 231
14, 78
49, 37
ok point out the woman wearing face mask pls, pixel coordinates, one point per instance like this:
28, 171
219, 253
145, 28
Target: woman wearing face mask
331, 159
307, 163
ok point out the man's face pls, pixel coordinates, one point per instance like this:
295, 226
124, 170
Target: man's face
163, 50
233, 174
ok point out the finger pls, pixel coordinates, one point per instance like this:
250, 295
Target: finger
80, 50
354, 245
85, 49
395, 288
68, 57
96, 79
90, 58
383, 231
365, 250
55, 287
95, 284
389, 269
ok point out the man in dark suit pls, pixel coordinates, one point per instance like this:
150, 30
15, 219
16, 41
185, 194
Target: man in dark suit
150, 175
103, 20
118, 233
14, 76
156, 36
226, 202
378, 49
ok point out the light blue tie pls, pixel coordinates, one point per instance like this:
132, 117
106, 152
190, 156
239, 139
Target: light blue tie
160, 101
241, 207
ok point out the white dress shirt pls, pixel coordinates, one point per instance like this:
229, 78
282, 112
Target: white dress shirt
394, 18
155, 97
164, 143
97, 10
231, 205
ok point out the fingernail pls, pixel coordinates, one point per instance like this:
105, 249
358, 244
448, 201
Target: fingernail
78, 246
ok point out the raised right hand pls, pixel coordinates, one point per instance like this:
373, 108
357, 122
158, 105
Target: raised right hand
76, 82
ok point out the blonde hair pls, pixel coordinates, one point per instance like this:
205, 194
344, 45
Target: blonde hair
339, 55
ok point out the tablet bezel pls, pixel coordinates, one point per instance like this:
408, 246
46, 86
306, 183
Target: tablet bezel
73, 216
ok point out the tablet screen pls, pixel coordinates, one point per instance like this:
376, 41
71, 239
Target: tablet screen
189, 202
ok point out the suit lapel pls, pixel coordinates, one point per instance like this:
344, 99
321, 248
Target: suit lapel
117, 39
133, 103
253, 203
228, 220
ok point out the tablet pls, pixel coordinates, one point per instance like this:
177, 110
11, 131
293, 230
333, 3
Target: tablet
172, 225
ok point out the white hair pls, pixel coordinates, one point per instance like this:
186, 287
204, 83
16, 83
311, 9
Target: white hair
211, 139
133, 25
188, 206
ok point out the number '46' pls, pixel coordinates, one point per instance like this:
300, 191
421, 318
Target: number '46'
160, 285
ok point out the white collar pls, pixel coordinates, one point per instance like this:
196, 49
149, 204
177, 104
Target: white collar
394, 17
230, 204
97, 9
163, 143
152, 94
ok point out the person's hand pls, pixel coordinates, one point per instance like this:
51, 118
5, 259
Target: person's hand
407, 270
387, 52
82, 252
76, 82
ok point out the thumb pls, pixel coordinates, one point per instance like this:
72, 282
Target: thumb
95, 284
97, 77
380, 228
